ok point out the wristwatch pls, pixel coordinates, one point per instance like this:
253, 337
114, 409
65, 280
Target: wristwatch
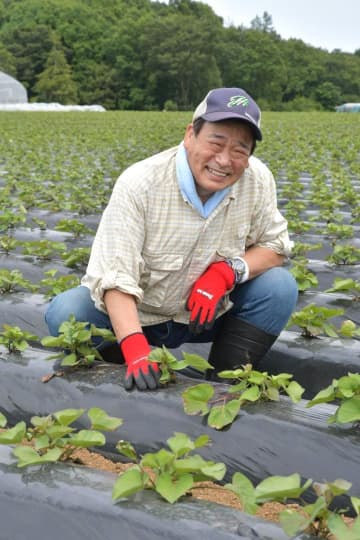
240, 268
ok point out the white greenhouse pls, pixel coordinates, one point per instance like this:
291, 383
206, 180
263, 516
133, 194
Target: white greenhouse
348, 107
11, 90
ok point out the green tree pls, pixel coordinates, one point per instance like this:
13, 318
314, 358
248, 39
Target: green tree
252, 60
124, 52
140, 53
328, 94
263, 23
305, 68
55, 83
179, 58
7, 61
343, 71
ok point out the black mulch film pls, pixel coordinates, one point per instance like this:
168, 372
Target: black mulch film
62, 501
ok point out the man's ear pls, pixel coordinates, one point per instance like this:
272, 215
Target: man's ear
189, 134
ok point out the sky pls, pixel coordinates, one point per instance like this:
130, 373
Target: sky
328, 24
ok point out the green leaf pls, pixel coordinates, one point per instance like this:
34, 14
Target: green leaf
222, 415
163, 356
28, 456
317, 508
158, 460
70, 360
349, 384
102, 421
257, 377
281, 379
251, 394
126, 449
356, 529
13, 435
165, 376
348, 329
3, 420
196, 361
105, 333
231, 374
295, 391
245, 490
68, 416
201, 441
129, 482
196, 398
272, 393
280, 487
338, 487
292, 522
21, 345
172, 489
180, 444
324, 396
216, 471
329, 330
86, 438
50, 341
57, 432
84, 335
348, 411
42, 442
158, 354
339, 529
356, 504
191, 464
42, 422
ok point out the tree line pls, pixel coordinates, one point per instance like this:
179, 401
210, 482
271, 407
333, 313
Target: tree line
148, 55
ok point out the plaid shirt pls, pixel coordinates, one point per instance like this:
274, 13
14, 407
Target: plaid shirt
152, 244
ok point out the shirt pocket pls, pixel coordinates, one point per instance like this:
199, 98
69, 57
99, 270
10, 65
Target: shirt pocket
235, 244
162, 284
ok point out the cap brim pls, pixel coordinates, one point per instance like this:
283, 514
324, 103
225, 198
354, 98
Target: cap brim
218, 116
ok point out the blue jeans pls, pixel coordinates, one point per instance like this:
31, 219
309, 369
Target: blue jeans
266, 302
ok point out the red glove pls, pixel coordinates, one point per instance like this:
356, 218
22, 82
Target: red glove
207, 294
140, 371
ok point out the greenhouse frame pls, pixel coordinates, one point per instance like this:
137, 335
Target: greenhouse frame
11, 90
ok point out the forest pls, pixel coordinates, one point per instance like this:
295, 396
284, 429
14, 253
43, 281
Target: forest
148, 55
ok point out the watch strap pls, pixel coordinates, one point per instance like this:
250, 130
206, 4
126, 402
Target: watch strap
241, 270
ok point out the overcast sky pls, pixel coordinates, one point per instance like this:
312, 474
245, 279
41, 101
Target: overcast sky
328, 24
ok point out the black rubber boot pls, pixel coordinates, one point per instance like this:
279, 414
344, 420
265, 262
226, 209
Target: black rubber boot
111, 353
237, 343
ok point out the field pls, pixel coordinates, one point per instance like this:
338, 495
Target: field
56, 175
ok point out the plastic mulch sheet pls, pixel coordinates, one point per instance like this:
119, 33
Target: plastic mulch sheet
60, 501
266, 439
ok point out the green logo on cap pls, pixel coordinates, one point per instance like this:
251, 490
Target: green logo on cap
235, 101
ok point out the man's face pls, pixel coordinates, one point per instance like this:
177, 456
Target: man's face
218, 155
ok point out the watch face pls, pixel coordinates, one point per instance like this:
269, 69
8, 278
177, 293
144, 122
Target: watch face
239, 266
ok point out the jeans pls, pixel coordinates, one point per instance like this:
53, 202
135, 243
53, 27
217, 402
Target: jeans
266, 302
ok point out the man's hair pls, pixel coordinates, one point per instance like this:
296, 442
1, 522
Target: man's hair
199, 122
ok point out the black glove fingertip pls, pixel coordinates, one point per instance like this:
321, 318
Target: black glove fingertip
195, 326
129, 382
151, 381
141, 382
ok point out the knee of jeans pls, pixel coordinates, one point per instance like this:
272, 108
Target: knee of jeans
54, 316
283, 287
60, 309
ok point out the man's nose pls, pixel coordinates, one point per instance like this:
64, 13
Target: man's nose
223, 157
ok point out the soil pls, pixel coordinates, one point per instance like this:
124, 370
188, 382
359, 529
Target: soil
203, 490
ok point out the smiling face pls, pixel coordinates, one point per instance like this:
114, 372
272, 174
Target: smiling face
218, 155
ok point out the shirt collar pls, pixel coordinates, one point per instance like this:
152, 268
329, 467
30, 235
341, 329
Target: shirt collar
188, 189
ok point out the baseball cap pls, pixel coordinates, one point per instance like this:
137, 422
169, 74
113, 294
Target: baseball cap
225, 103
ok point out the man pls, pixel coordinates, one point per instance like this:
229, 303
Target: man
190, 249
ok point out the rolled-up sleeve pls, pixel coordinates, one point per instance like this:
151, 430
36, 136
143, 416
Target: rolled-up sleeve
115, 260
269, 227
